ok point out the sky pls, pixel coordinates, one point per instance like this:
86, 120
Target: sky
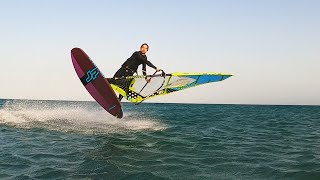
272, 47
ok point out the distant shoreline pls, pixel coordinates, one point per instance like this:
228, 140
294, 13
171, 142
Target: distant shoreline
164, 103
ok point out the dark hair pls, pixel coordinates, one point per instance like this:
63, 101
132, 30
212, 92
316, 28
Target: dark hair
145, 44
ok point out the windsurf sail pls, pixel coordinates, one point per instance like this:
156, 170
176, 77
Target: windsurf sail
136, 89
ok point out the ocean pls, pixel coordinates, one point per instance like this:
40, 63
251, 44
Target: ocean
79, 140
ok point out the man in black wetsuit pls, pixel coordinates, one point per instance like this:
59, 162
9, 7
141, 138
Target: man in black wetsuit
130, 67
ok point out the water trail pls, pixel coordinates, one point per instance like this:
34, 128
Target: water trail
78, 117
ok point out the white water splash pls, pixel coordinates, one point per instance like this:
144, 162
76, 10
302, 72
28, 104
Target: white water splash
74, 118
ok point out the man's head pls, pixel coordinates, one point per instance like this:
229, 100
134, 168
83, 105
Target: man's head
144, 48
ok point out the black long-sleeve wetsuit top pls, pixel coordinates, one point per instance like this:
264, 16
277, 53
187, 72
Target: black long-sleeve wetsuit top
135, 60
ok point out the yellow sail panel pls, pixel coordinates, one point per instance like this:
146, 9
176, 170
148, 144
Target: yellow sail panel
136, 89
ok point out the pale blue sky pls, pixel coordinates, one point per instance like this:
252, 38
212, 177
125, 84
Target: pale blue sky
273, 47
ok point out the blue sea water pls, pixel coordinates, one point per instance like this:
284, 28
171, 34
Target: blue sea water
79, 140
